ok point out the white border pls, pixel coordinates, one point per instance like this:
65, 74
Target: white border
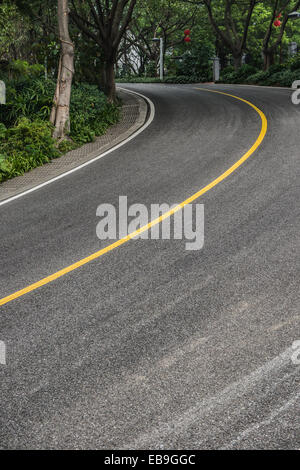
135, 134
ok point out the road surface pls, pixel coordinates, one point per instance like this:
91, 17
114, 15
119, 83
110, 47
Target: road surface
152, 346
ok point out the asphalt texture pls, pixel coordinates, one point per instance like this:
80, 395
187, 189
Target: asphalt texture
152, 346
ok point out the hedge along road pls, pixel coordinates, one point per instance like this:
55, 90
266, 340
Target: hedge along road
152, 327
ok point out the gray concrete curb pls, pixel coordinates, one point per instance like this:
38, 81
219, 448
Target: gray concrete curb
133, 116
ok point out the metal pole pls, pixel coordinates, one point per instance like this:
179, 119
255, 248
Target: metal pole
161, 62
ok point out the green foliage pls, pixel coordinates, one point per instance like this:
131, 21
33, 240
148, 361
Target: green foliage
139, 80
228, 75
228, 70
90, 114
27, 145
276, 68
185, 79
294, 63
196, 62
283, 78
67, 145
181, 79
2, 131
258, 78
26, 133
33, 99
21, 68
13, 29
26, 97
150, 68
276, 75
264, 77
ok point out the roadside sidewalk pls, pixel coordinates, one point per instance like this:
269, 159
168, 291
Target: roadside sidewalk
133, 116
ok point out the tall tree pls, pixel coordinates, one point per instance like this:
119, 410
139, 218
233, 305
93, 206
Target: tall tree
60, 114
272, 38
164, 18
230, 20
105, 22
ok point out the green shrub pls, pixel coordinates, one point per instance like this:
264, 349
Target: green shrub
4, 167
184, 79
275, 68
27, 145
296, 74
150, 68
67, 145
2, 131
294, 63
181, 79
227, 70
258, 78
139, 80
276, 75
21, 68
28, 98
90, 114
284, 78
25, 130
196, 61
246, 70
229, 75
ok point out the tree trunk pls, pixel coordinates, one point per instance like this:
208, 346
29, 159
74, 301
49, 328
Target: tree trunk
56, 95
268, 59
61, 105
237, 59
221, 53
105, 23
101, 75
110, 84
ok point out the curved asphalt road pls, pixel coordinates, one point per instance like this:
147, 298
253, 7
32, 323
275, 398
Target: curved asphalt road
153, 346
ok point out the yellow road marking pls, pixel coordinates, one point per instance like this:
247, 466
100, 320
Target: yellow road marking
72, 267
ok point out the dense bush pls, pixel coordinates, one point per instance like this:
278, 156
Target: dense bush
258, 78
229, 75
25, 130
29, 98
25, 146
132, 79
283, 78
276, 75
90, 113
172, 79
294, 63
195, 62
185, 79
17, 69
